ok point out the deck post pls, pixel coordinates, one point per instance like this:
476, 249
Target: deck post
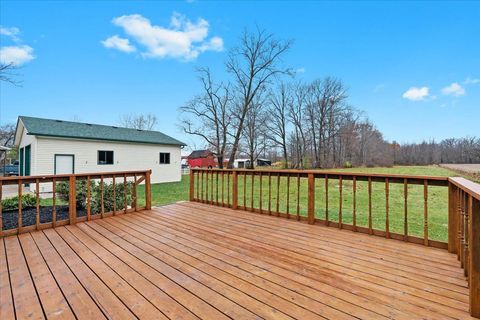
148, 190
311, 198
452, 218
235, 190
72, 208
474, 265
192, 184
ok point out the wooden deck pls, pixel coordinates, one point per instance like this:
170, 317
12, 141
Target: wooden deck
190, 261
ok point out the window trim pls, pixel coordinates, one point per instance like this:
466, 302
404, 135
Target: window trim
105, 164
160, 158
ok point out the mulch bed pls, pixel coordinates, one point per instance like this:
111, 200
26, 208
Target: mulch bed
10, 217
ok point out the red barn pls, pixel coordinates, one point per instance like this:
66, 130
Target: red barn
202, 159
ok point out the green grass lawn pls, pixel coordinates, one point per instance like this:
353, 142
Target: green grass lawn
437, 199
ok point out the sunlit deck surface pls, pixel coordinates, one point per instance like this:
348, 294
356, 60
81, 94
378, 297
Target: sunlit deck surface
191, 260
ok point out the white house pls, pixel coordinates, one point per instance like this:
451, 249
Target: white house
49, 146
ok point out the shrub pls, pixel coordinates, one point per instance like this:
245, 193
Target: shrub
108, 196
63, 192
28, 200
347, 164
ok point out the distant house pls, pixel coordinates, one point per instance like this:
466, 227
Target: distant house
49, 146
202, 159
245, 163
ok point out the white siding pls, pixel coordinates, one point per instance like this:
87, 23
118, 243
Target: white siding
127, 156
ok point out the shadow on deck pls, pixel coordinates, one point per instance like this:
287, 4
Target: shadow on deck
191, 260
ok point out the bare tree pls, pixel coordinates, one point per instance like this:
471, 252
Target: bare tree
280, 102
296, 116
7, 74
138, 121
254, 130
7, 134
253, 64
209, 115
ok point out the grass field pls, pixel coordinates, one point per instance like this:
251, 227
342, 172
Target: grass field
437, 199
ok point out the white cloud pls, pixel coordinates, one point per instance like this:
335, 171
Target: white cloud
379, 87
471, 81
182, 39
115, 42
416, 94
12, 32
16, 54
300, 70
454, 89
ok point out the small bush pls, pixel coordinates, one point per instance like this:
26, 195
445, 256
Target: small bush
63, 192
108, 198
347, 165
28, 200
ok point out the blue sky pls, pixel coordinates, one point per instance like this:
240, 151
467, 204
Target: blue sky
414, 68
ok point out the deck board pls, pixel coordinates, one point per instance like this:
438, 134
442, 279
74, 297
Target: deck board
195, 261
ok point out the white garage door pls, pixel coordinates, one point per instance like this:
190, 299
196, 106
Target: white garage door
64, 163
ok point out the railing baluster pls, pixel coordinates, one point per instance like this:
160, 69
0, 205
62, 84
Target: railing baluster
234, 190
311, 198
88, 199
340, 191
370, 229
125, 193
114, 195
37, 198
198, 185
269, 193
460, 230
228, 188
474, 263
425, 212
354, 203
288, 196
203, 182
467, 230
260, 193
216, 187
278, 195
326, 201
298, 196
54, 198
72, 209
223, 188
134, 191
20, 189
245, 190
387, 220
405, 209
211, 186
102, 201
252, 192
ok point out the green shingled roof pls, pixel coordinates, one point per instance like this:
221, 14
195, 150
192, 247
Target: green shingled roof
78, 130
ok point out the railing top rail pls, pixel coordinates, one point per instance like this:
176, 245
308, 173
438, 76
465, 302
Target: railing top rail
7, 180
332, 173
466, 185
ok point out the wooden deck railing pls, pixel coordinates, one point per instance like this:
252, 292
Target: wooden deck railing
89, 196
464, 233
299, 194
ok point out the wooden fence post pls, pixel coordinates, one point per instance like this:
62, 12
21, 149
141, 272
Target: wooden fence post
192, 185
72, 209
474, 265
148, 190
235, 190
452, 218
311, 198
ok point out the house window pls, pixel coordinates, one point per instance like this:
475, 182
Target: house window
105, 157
164, 158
